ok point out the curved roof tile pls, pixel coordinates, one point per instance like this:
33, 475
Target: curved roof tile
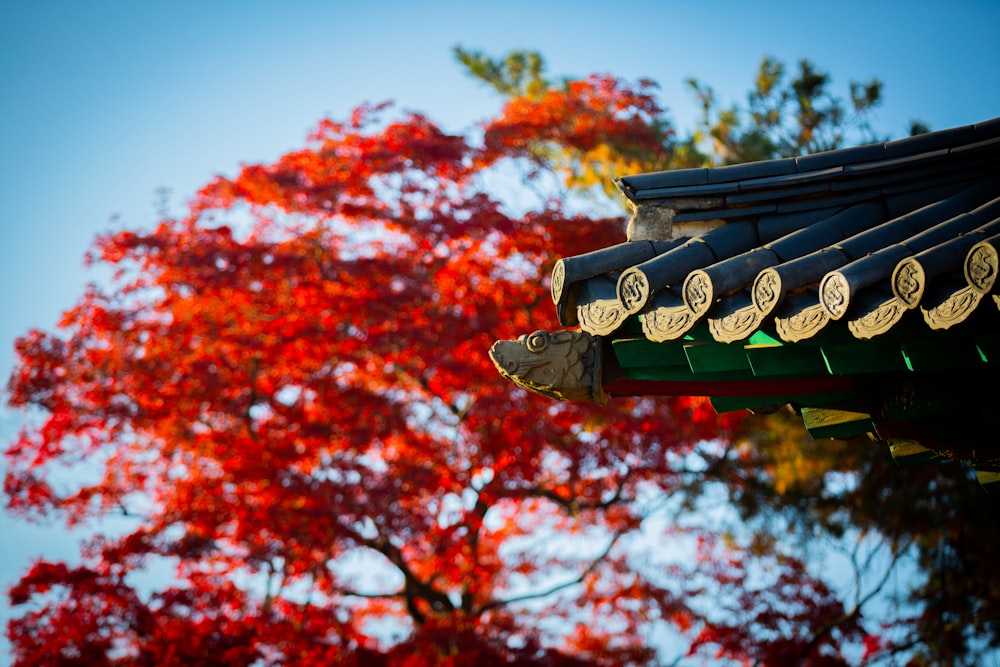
859, 235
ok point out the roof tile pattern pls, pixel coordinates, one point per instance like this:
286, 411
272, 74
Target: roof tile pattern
856, 238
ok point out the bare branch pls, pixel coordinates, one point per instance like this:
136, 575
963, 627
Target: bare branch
827, 628
558, 587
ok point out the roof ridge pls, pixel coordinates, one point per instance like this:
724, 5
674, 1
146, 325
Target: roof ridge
791, 170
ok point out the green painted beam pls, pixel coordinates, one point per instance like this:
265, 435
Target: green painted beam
861, 357
777, 360
941, 354
644, 353
714, 357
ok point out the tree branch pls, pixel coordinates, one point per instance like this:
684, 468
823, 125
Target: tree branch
827, 628
558, 587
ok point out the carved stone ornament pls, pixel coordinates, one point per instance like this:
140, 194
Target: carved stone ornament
601, 317
803, 324
981, 267
878, 320
565, 365
735, 326
908, 282
767, 291
666, 323
633, 290
835, 294
698, 292
953, 310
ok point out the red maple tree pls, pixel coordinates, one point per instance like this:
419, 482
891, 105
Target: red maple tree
288, 389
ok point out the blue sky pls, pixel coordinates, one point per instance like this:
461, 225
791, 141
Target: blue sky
104, 103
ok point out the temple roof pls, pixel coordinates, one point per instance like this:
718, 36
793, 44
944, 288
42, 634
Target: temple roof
857, 238
857, 286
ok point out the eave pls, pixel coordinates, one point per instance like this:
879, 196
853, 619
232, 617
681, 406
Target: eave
837, 283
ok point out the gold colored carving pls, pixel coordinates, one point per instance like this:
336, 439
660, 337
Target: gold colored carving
633, 290
565, 365
878, 320
667, 323
956, 308
835, 294
766, 292
908, 282
736, 326
601, 317
802, 325
981, 267
698, 292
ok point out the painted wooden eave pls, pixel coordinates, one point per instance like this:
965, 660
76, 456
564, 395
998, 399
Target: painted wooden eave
857, 286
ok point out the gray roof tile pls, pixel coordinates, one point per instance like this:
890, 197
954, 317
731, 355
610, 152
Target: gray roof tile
833, 225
